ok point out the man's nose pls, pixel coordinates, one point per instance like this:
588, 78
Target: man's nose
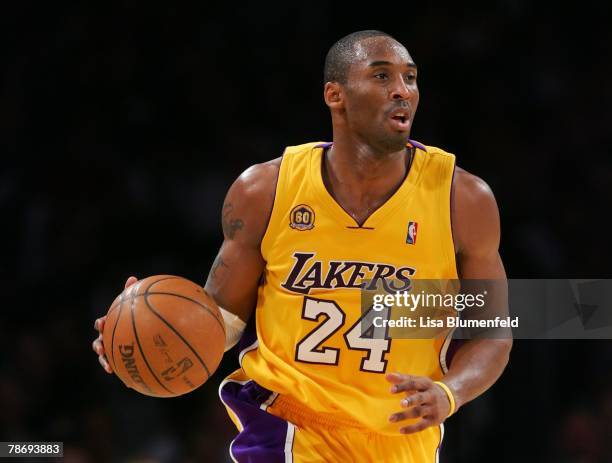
400, 91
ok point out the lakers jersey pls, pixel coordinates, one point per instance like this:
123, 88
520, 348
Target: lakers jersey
309, 347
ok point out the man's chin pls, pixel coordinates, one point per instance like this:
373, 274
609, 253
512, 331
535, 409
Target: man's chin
387, 142
396, 141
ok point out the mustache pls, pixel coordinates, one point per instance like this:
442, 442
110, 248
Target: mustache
399, 105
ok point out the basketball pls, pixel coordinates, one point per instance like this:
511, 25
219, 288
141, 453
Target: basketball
164, 336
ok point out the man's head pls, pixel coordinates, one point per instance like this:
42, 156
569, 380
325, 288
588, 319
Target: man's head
371, 90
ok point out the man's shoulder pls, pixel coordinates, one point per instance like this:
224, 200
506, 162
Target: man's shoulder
259, 178
475, 214
269, 170
266, 168
249, 201
433, 150
468, 185
262, 177
304, 147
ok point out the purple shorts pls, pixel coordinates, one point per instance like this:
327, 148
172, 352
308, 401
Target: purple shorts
264, 438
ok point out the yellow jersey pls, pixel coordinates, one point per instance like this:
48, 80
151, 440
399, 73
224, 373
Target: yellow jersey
308, 347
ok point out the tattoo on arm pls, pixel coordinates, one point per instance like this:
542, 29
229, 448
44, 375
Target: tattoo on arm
218, 273
217, 264
230, 224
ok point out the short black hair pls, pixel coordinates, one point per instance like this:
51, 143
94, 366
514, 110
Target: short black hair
342, 54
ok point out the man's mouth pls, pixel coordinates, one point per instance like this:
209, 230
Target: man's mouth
400, 119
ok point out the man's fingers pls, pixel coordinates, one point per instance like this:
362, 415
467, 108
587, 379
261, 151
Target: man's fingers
95, 347
99, 324
98, 347
104, 364
419, 398
407, 382
413, 412
423, 423
395, 377
130, 281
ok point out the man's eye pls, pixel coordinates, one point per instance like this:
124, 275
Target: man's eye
411, 77
381, 75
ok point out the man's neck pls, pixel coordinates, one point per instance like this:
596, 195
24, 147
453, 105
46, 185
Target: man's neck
360, 179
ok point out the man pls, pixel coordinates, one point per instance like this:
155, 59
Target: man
302, 234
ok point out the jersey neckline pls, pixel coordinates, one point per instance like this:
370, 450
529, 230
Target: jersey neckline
398, 198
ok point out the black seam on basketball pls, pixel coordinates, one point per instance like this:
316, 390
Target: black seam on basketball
148, 289
142, 353
156, 293
169, 277
177, 333
121, 298
114, 329
219, 320
113, 307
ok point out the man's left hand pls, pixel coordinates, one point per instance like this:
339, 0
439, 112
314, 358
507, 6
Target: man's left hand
424, 399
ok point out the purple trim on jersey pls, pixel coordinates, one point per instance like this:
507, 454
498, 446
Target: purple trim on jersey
324, 145
417, 144
249, 335
453, 347
451, 213
263, 436
412, 142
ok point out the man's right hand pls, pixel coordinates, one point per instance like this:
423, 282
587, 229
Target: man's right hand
97, 345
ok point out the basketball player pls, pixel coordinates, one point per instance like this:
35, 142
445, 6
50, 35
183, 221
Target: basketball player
301, 234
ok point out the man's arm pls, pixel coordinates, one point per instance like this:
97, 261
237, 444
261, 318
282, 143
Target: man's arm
238, 267
235, 273
478, 363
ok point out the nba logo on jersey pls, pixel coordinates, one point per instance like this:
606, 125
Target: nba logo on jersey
412, 232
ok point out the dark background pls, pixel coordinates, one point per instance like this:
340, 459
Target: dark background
123, 126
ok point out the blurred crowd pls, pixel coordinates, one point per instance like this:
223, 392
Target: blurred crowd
123, 126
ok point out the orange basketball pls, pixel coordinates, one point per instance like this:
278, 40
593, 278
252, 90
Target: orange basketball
164, 336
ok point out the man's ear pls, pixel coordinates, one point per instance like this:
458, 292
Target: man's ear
333, 95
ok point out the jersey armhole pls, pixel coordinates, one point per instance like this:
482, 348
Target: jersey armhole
447, 173
267, 242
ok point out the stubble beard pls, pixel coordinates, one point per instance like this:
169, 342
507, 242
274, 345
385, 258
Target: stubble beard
387, 144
